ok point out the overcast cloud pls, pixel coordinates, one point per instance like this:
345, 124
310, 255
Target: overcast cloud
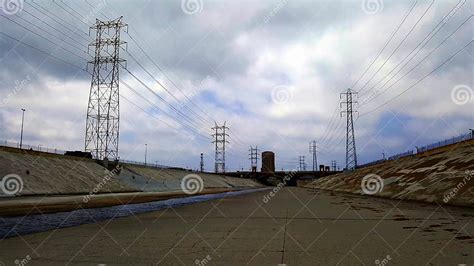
273, 70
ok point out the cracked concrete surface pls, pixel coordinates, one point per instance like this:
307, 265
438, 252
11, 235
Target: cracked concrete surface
298, 226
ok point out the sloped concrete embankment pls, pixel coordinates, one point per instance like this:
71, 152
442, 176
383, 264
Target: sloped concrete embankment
70, 183
44, 174
445, 176
153, 179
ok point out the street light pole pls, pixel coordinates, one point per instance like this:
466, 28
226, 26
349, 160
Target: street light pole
22, 120
146, 151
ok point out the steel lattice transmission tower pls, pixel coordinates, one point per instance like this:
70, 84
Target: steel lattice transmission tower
103, 112
313, 151
202, 163
347, 102
302, 164
220, 141
253, 158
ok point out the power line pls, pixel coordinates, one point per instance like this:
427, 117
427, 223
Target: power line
44, 37
427, 38
399, 45
187, 126
159, 97
417, 82
167, 77
84, 59
166, 89
54, 28
63, 20
423, 59
83, 69
153, 116
44, 52
70, 13
84, 19
386, 44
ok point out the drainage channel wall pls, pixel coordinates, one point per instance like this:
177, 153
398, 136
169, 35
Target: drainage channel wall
51, 174
443, 177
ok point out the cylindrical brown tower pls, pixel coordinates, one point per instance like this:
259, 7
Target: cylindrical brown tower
268, 162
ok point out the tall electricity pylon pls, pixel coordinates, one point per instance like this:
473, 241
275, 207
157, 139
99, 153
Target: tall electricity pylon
302, 164
334, 166
202, 163
103, 112
220, 141
312, 150
347, 102
253, 158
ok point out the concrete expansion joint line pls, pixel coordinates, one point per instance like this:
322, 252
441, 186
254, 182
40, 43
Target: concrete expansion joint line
284, 238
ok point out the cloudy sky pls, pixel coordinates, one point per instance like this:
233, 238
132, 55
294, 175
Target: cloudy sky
273, 70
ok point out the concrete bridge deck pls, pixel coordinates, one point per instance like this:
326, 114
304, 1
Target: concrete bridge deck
296, 226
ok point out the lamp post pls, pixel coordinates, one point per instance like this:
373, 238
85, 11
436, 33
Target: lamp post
146, 151
22, 120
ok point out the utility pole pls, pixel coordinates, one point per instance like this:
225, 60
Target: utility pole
333, 165
146, 151
22, 121
103, 112
253, 158
202, 163
351, 154
312, 150
220, 141
302, 164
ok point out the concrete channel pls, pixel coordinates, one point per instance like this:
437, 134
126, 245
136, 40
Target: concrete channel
296, 226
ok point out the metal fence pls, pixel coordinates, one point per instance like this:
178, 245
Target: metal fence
29, 147
432, 146
41, 148
153, 165
371, 163
401, 155
446, 142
